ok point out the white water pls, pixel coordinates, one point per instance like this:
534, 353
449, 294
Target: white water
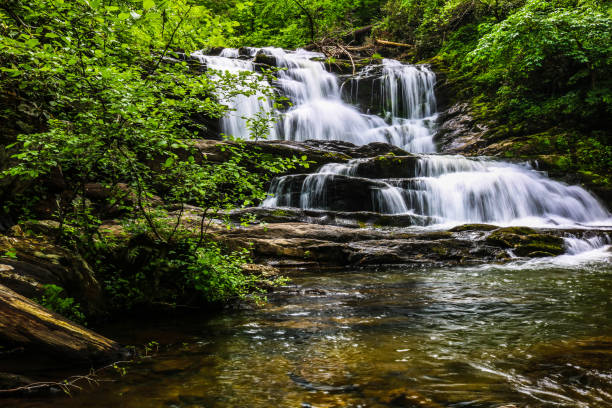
452, 189
240, 105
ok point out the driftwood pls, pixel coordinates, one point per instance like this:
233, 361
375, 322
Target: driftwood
392, 43
27, 324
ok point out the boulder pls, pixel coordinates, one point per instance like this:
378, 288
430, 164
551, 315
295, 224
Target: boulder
458, 131
526, 241
340, 246
387, 167
34, 262
333, 193
358, 219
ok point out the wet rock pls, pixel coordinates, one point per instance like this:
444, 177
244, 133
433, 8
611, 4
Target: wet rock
364, 90
341, 246
359, 219
318, 151
527, 242
458, 131
262, 58
340, 193
388, 167
474, 227
265, 271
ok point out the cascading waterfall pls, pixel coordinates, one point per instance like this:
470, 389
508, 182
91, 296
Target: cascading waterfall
240, 107
576, 245
449, 189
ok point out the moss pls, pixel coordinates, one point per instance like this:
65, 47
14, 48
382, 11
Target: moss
525, 241
515, 230
473, 227
336, 155
281, 213
440, 250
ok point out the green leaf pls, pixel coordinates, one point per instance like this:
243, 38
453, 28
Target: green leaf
32, 42
147, 4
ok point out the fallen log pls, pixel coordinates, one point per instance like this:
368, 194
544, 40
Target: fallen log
392, 43
27, 324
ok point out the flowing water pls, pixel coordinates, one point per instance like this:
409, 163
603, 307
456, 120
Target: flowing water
528, 334
449, 189
531, 333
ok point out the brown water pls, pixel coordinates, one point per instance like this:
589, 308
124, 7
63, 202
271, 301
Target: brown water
526, 336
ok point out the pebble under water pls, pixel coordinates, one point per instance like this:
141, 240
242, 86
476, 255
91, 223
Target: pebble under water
527, 334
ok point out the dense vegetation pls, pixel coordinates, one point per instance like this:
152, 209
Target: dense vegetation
537, 70
96, 92
91, 98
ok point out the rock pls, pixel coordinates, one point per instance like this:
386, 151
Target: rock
25, 323
458, 132
387, 167
474, 227
265, 271
341, 246
318, 151
363, 89
359, 219
36, 262
338, 192
262, 58
527, 242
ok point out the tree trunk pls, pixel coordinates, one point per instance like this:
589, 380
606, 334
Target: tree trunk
27, 324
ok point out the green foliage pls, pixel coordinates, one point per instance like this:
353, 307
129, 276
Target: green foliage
93, 92
549, 63
10, 253
54, 299
293, 23
529, 67
147, 272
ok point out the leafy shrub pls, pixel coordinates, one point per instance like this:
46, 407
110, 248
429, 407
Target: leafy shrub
54, 299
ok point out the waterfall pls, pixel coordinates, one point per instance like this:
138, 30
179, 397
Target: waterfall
394, 103
575, 246
241, 107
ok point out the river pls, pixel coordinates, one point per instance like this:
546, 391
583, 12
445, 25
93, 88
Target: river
526, 334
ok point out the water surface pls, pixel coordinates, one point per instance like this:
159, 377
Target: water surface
531, 334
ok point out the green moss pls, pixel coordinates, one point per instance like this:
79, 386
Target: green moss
281, 213
525, 241
440, 250
473, 227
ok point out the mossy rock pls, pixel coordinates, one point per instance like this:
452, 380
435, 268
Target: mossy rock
262, 58
525, 241
473, 227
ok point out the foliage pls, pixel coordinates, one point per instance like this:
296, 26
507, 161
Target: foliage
530, 67
549, 63
55, 299
293, 23
94, 92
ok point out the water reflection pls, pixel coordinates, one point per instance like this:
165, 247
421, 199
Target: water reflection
475, 337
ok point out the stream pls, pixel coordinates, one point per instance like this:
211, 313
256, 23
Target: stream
527, 334
530, 333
